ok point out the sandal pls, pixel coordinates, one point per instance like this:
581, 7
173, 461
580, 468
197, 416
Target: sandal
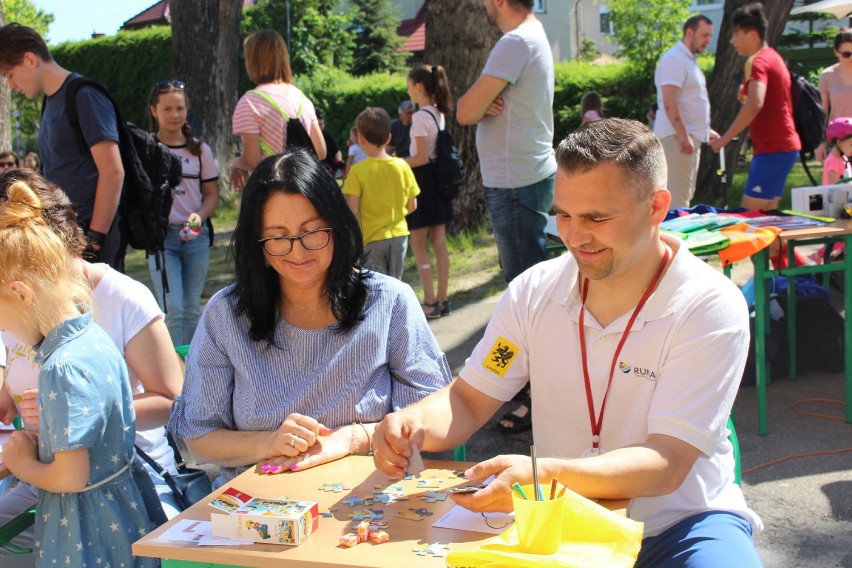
432, 311
519, 423
446, 308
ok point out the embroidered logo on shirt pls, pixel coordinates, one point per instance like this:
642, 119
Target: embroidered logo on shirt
500, 357
629, 369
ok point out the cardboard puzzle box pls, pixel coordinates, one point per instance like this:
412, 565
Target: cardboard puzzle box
272, 521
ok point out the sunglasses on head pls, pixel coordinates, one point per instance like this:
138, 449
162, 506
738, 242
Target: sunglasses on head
845, 54
163, 85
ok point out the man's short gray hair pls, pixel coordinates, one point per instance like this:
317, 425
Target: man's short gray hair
627, 143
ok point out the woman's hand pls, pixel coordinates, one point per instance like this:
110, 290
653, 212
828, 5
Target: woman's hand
296, 435
329, 446
237, 177
29, 409
20, 450
820, 153
194, 218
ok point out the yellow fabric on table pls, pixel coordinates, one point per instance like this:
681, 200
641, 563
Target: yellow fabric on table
591, 537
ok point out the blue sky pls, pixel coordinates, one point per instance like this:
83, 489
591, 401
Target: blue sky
77, 19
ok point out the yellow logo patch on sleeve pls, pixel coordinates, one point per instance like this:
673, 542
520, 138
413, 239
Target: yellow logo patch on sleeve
500, 358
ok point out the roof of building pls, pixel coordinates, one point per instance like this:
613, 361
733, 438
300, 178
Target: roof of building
158, 13
414, 31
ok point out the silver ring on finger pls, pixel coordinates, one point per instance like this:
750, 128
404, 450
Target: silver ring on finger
293, 439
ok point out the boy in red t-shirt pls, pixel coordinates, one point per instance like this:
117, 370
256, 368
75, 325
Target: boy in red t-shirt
767, 109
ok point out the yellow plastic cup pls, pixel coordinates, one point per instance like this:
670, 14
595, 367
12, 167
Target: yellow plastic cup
539, 523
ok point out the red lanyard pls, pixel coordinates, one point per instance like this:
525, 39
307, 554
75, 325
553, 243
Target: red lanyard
596, 424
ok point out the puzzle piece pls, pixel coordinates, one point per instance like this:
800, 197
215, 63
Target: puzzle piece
385, 489
387, 498
353, 501
436, 549
335, 487
328, 513
433, 496
458, 474
367, 514
432, 483
377, 525
414, 514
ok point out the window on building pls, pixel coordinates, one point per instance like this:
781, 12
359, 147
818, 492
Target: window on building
705, 3
538, 6
607, 28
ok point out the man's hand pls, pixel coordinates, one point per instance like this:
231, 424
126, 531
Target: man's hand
496, 107
820, 153
498, 495
391, 443
686, 145
717, 144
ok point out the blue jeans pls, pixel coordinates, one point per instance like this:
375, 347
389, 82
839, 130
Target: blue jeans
518, 218
713, 539
186, 272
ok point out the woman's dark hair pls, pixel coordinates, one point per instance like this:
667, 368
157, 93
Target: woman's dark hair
435, 83
193, 144
58, 213
844, 35
257, 287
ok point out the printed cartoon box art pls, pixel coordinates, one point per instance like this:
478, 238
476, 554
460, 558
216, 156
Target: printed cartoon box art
270, 521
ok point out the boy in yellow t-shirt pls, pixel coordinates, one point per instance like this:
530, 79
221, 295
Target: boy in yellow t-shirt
381, 191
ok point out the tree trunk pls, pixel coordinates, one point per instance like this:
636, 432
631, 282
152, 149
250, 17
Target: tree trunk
5, 105
459, 37
205, 47
722, 90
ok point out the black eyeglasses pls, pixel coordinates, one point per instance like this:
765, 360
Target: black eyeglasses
311, 240
845, 54
163, 85
7, 164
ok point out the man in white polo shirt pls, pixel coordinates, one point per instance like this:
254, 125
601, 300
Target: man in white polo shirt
634, 350
684, 123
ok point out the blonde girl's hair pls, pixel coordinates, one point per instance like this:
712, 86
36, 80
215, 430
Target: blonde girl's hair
33, 253
192, 144
435, 83
267, 59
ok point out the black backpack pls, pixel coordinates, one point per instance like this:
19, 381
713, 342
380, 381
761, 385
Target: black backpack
448, 163
151, 172
808, 116
297, 136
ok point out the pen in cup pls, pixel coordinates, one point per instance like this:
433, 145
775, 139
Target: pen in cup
516, 487
539, 496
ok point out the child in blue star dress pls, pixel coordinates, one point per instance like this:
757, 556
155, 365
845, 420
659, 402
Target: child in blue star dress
89, 509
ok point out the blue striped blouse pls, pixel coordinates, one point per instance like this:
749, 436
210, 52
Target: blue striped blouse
388, 361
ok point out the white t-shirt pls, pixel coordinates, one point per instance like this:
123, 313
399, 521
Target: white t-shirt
423, 124
516, 147
356, 153
678, 374
123, 307
678, 67
195, 170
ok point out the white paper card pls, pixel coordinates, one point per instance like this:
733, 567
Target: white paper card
459, 518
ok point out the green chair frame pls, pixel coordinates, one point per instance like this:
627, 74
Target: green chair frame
735, 442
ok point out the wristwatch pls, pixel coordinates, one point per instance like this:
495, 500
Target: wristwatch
96, 238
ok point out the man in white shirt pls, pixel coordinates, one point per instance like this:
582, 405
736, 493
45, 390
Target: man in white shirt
682, 95
634, 350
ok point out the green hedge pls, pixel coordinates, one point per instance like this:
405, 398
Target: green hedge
128, 64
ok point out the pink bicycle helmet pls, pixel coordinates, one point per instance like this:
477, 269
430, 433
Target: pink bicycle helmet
838, 129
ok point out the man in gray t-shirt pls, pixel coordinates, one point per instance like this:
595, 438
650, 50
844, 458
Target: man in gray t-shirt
512, 105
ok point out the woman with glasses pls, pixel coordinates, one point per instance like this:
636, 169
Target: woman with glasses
835, 83
294, 363
187, 246
261, 115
